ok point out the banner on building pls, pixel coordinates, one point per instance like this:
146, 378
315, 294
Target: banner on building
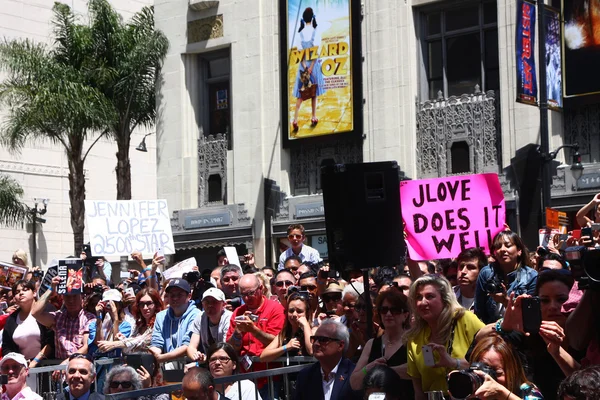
553, 58
581, 53
444, 216
525, 46
320, 75
120, 227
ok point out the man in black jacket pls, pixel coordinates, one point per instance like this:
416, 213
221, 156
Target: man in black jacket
328, 379
81, 373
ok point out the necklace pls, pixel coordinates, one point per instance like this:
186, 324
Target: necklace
390, 342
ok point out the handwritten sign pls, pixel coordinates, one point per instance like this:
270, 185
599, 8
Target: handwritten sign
48, 276
444, 216
120, 227
177, 270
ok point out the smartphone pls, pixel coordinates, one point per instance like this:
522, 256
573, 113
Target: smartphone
532, 314
586, 232
564, 236
428, 355
136, 361
377, 396
130, 292
160, 252
3, 305
240, 318
596, 227
324, 274
332, 273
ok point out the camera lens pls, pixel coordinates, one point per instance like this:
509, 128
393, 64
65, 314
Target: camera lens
463, 384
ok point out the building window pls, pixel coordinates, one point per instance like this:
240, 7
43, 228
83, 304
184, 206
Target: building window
215, 189
461, 157
460, 49
216, 72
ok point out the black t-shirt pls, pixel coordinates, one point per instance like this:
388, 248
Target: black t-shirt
400, 357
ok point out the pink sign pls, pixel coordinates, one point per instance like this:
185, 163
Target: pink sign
444, 216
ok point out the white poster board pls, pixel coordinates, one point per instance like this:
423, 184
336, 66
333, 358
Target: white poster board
120, 227
232, 256
177, 270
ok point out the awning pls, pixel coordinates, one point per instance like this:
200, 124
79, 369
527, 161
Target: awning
205, 238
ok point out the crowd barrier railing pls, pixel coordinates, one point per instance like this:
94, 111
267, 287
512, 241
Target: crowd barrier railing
48, 389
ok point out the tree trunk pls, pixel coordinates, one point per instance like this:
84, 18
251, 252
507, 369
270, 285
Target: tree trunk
123, 168
77, 197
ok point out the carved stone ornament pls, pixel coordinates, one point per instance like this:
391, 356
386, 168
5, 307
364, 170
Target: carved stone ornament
582, 125
201, 5
203, 29
212, 160
471, 118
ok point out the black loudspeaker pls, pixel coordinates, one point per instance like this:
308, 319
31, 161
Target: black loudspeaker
362, 214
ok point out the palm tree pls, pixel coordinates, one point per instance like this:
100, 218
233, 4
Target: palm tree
48, 98
127, 62
13, 212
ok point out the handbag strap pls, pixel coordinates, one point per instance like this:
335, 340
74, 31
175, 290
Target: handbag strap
451, 341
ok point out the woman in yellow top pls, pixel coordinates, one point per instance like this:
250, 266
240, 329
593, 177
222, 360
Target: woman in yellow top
441, 323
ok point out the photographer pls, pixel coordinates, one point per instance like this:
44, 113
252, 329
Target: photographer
508, 274
230, 281
495, 357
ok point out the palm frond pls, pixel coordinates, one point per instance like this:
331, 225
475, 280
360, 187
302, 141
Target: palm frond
13, 212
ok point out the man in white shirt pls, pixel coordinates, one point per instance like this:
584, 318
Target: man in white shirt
15, 366
329, 378
306, 253
470, 261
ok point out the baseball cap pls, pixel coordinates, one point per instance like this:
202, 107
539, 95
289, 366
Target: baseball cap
181, 284
334, 287
215, 293
20, 358
112, 295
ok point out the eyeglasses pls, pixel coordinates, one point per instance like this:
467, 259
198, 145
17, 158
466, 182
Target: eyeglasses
250, 293
329, 298
124, 384
143, 304
16, 368
324, 340
310, 288
292, 237
286, 283
222, 360
383, 310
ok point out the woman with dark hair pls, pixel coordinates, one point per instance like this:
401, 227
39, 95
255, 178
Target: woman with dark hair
581, 385
508, 274
510, 382
382, 379
546, 357
223, 361
389, 349
294, 338
22, 333
147, 304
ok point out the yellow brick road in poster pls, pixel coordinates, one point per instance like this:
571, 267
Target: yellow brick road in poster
332, 53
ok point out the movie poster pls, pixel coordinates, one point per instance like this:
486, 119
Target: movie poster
525, 46
581, 53
10, 274
71, 272
319, 68
553, 58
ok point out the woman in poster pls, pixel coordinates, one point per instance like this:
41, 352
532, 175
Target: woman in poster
310, 75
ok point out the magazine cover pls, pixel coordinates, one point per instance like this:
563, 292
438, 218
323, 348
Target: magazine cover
71, 272
10, 274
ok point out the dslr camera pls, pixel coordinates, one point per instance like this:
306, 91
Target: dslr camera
465, 382
585, 266
493, 285
192, 277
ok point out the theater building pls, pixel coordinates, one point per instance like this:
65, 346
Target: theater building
430, 84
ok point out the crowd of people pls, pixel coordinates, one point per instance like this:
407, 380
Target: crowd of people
509, 325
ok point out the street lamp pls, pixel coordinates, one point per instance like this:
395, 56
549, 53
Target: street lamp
576, 171
35, 211
142, 146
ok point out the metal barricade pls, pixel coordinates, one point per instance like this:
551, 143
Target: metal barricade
252, 376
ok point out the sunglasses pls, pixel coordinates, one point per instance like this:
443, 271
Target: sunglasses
16, 368
143, 304
124, 384
286, 283
310, 288
324, 340
292, 237
249, 293
327, 298
394, 310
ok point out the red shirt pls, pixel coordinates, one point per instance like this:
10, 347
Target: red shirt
271, 317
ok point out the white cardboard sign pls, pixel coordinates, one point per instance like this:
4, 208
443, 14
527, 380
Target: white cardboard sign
120, 227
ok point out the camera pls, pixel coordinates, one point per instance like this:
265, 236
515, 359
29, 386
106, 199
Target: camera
464, 383
585, 266
542, 251
192, 277
493, 285
3, 379
235, 302
37, 274
98, 289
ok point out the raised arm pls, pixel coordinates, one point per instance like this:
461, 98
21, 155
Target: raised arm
38, 310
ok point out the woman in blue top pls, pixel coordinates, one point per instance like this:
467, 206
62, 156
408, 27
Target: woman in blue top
313, 66
507, 274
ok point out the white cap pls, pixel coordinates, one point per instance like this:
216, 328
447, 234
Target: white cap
20, 358
112, 295
215, 293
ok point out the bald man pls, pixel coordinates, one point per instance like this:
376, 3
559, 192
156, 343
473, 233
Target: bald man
255, 323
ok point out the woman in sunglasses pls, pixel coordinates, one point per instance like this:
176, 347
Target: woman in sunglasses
294, 338
123, 378
440, 335
389, 349
223, 361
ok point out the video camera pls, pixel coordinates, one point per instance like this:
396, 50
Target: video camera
464, 383
585, 266
89, 261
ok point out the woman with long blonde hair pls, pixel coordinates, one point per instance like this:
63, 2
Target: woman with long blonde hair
442, 329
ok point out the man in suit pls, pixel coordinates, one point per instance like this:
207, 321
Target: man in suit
328, 379
81, 373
